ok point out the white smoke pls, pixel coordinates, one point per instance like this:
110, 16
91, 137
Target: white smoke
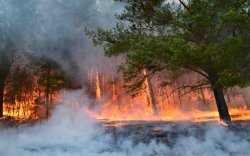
72, 133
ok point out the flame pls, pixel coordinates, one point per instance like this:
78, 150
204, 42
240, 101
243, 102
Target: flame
31, 107
18, 111
98, 89
196, 107
114, 104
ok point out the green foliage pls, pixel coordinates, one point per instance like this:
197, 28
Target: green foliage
208, 37
49, 73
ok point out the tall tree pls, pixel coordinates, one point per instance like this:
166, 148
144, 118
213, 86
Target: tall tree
211, 38
50, 77
15, 28
20, 89
6, 60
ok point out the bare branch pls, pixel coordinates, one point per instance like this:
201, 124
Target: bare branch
192, 87
194, 90
184, 5
197, 71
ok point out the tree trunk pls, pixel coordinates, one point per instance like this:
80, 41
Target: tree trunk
1, 97
166, 92
47, 92
152, 97
151, 93
3, 76
202, 103
219, 98
221, 104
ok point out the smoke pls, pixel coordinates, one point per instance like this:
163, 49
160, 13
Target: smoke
63, 29
55, 29
72, 132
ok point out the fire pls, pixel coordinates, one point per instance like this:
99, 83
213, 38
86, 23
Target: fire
113, 103
153, 105
98, 90
31, 107
19, 111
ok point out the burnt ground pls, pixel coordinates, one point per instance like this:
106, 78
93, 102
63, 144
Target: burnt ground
10, 122
117, 133
146, 131
168, 132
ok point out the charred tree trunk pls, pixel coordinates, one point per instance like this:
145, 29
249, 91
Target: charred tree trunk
221, 104
219, 98
152, 97
179, 93
201, 91
151, 93
3, 76
1, 96
166, 92
47, 92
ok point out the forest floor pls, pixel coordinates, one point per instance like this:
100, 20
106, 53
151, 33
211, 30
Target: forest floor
169, 132
149, 138
10, 122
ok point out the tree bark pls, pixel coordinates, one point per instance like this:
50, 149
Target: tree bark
219, 98
152, 97
221, 104
201, 91
1, 97
151, 93
179, 93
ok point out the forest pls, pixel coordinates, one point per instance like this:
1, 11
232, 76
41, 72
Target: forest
129, 77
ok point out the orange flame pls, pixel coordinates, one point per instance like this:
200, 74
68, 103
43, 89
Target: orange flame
197, 106
98, 89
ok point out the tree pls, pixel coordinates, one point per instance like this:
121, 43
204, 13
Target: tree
15, 28
20, 90
6, 60
51, 77
211, 38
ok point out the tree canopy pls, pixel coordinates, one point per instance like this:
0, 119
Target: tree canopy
211, 38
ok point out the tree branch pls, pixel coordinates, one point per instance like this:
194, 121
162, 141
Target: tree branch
184, 5
192, 88
197, 71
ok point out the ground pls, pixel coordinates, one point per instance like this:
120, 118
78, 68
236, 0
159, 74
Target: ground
74, 137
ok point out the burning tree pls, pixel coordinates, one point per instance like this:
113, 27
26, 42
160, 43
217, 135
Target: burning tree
210, 38
50, 77
6, 60
33, 85
19, 92
13, 35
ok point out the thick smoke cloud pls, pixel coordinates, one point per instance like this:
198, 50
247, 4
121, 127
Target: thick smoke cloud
55, 28
70, 132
